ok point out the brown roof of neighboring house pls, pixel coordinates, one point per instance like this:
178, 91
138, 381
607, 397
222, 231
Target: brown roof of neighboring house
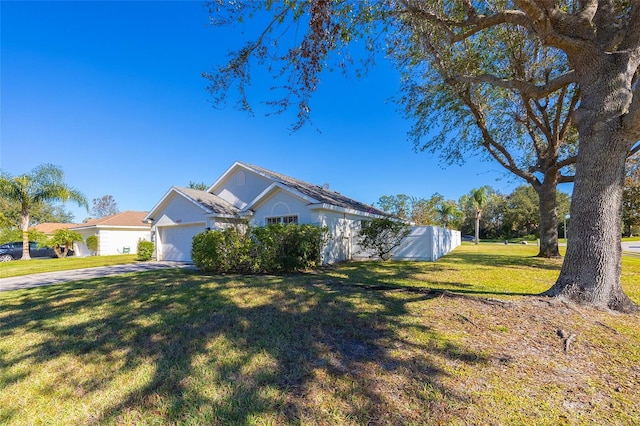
51, 227
126, 218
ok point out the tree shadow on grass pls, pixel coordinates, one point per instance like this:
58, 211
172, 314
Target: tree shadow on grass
420, 277
503, 261
232, 349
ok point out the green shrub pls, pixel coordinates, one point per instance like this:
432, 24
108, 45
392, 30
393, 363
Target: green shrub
382, 235
222, 251
274, 248
92, 243
145, 250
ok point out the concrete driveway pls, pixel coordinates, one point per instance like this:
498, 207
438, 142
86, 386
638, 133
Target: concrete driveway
48, 278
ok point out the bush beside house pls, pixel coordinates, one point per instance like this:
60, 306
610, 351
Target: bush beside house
145, 250
92, 244
269, 249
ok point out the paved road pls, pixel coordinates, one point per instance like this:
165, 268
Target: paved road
47, 278
633, 247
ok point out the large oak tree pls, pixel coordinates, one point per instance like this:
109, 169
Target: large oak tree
511, 71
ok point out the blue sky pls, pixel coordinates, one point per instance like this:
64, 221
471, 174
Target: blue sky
112, 92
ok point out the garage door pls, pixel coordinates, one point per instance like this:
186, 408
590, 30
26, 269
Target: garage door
176, 241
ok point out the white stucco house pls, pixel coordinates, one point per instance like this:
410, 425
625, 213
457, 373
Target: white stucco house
248, 194
117, 234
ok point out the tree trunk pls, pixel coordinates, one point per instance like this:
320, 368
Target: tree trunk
547, 202
593, 263
25, 236
477, 227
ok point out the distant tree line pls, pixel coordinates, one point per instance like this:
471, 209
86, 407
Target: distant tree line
503, 216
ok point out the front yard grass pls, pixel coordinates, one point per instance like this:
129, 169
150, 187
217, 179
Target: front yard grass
35, 266
360, 343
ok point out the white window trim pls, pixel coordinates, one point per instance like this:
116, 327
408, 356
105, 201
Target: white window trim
286, 219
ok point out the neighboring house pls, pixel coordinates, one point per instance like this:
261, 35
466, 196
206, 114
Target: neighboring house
49, 228
117, 234
248, 194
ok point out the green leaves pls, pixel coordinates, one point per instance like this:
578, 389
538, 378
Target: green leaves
145, 250
274, 248
62, 241
382, 235
44, 183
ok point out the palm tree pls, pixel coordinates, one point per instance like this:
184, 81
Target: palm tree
63, 240
44, 183
479, 198
446, 209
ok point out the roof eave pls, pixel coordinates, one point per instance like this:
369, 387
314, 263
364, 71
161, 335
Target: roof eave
332, 207
142, 227
222, 215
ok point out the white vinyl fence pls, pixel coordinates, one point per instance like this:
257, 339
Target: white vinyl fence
425, 243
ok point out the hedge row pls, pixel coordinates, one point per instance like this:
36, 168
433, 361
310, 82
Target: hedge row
270, 249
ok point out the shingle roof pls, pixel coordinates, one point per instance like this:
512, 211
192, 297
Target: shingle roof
51, 227
323, 195
126, 218
210, 201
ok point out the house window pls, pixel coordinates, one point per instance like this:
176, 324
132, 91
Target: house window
281, 219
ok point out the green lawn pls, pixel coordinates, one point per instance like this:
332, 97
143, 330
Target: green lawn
34, 266
353, 344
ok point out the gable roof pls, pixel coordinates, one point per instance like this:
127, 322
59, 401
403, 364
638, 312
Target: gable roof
210, 201
123, 219
213, 204
315, 192
51, 227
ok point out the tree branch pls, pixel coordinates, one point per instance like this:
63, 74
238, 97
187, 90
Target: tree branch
632, 118
588, 11
569, 118
566, 179
474, 24
496, 150
567, 162
480, 22
559, 105
631, 39
531, 90
556, 28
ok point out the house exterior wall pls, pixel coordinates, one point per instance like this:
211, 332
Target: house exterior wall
112, 240
181, 216
81, 249
281, 204
116, 241
179, 211
342, 230
242, 187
